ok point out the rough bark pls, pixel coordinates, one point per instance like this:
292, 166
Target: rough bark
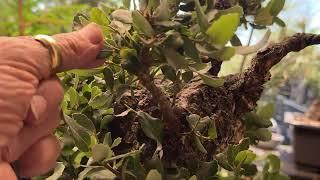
225, 105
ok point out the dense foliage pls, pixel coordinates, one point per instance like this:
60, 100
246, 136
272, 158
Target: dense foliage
175, 41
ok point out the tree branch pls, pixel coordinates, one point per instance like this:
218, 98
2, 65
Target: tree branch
248, 86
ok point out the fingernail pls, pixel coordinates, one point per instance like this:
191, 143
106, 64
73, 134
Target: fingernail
93, 33
38, 106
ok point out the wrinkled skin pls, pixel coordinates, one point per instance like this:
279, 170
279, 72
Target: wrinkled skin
30, 97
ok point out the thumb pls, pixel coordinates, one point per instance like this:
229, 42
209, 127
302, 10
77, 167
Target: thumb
79, 49
6, 172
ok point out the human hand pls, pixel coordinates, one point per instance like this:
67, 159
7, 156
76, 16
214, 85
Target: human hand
30, 97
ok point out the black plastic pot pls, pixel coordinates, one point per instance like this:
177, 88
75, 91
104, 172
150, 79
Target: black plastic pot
307, 147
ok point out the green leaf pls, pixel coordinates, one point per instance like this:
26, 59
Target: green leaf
187, 76
254, 119
122, 15
191, 50
102, 100
174, 59
96, 173
218, 33
197, 123
245, 157
104, 54
74, 98
154, 175
169, 72
212, 131
234, 9
245, 50
116, 142
223, 161
126, 3
95, 91
201, 17
162, 12
57, 172
224, 54
87, 72
127, 53
84, 121
199, 145
198, 66
98, 16
152, 127
279, 21
107, 140
266, 111
207, 170
279, 177
244, 144
211, 81
263, 134
263, 17
106, 119
108, 77
274, 163
141, 24
249, 169
235, 41
275, 6
100, 152
155, 163
80, 134
77, 158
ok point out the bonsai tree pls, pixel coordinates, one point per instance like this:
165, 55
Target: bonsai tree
158, 108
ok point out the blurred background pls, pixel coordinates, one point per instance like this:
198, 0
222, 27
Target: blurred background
294, 88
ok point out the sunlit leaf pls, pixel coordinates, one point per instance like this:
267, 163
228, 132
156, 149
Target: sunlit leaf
279, 21
116, 142
245, 50
274, 162
74, 98
141, 24
217, 32
266, 111
275, 6
100, 152
57, 172
80, 134
122, 15
245, 157
211, 81
154, 175
98, 16
263, 17
212, 131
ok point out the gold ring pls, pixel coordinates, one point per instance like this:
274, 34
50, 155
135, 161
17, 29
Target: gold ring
54, 51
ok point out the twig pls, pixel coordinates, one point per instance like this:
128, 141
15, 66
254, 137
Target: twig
244, 58
248, 86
